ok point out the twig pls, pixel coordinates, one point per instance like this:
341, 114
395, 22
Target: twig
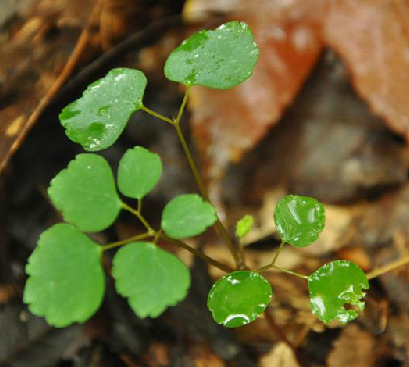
388, 267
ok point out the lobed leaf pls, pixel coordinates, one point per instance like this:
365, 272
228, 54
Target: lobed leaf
187, 216
219, 59
151, 279
138, 172
66, 279
244, 225
97, 119
85, 193
299, 219
332, 286
239, 298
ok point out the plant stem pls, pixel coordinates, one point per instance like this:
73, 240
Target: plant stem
182, 106
123, 242
157, 115
279, 268
198, 253
388, 267
138, 214
272, 264
219, 225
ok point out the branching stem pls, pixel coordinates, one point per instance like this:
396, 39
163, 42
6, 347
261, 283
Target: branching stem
138, 237
138, 214
157, 115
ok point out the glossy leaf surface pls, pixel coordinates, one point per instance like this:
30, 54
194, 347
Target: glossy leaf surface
299, 219
98, 118
239, 298
244, 225
152, 279
332, 286
219, 59
187, 216
66, 280
85, 193
138, 172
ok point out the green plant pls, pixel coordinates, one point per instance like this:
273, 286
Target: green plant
66, 277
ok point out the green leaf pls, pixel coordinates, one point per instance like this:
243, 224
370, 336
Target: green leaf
98, 118
239, 298
138, 172
334, 285
187, 216
219, 59
244, 225
66, 280
299, 219
151, 279
85, 193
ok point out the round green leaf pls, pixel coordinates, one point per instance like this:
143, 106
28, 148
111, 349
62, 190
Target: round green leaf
299, 219
85, 193
98, 118
138, 172
239, 298
187, 216
66, 280
219, 59
151, 279
244, 225
334, 285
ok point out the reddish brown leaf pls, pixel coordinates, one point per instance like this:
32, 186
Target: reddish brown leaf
372, 36
228, 123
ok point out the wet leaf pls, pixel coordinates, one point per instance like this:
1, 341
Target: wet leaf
239, 298
299, 219
187, 216
66, 279
138, 172
85, 193
332, 286
219, 59
98, 118
151, 279
244, 225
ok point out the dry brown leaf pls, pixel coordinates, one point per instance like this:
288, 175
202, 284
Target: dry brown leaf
372, 36
354, 348
228, 123
281, 355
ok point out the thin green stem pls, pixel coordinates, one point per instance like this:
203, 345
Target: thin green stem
272, 266
198, 253
278, 252
157, 115
219, 225
242, 257
138, 214
388, 267
183, 105
138, 237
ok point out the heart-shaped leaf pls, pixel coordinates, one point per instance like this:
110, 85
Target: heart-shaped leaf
332, 286
299, 219
151, 279
98, 118
219, 59
187, 216
239, 298
85, 193
66, 279
138, 172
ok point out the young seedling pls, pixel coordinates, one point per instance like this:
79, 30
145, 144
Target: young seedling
65, 274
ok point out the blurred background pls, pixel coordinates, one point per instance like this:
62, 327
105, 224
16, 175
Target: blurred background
326, 114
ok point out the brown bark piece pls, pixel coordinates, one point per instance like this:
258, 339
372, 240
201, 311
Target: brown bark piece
372, 36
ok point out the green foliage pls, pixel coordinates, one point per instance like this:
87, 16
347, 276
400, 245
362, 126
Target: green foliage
138, 172
66, 280
151, 279
332, 286
299, 219
98, 118
219, 59
85, 193
239, 298
187, 216
244, 225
